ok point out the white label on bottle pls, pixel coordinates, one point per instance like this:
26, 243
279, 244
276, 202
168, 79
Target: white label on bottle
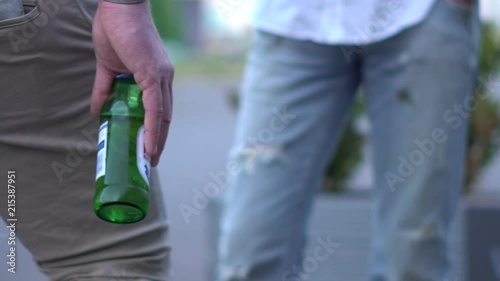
101, 150
143, 159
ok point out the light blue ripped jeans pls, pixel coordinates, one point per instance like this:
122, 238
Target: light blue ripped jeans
295, 99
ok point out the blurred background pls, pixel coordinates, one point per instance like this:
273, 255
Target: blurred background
207, 40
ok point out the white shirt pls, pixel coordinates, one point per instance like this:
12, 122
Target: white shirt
355, 22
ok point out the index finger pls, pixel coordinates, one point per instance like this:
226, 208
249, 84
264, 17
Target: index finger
102, 88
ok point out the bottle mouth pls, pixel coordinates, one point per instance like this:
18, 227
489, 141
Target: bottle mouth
120, 213
116, 204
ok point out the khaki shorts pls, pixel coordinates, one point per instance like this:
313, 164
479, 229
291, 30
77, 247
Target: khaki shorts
48, 137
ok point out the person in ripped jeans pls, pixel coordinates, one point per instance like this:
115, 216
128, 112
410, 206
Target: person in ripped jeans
58, 59
417, 61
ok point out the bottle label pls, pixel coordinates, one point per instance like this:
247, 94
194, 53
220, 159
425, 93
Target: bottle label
143, 159
101, 150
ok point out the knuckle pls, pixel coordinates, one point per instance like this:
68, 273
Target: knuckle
154, 135
166, 119
148, 82
172, 71
158, 112
162, 68
166, 69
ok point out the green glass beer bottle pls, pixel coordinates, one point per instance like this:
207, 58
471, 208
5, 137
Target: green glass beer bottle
123, 167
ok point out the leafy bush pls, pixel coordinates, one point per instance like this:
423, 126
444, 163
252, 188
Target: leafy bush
485, 120
483, 133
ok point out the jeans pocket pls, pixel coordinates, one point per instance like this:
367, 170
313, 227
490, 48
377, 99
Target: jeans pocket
31, 12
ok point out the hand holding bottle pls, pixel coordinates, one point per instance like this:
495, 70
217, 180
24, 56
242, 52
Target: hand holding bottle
126, 41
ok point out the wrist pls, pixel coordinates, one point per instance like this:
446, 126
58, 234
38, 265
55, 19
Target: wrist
133, 10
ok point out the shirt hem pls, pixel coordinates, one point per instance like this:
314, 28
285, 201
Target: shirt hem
390, 32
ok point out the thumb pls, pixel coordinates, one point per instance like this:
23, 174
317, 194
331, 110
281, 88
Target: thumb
102, 88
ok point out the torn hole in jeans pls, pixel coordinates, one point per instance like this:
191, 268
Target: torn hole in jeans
250, 155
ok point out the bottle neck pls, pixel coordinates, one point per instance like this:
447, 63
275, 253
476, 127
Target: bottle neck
127, 98
127, 89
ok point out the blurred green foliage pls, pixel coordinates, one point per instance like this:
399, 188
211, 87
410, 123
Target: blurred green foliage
167, 15
485, 119
489, 61
348, 155
483, 133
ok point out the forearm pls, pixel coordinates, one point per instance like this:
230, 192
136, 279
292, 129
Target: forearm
125, 15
